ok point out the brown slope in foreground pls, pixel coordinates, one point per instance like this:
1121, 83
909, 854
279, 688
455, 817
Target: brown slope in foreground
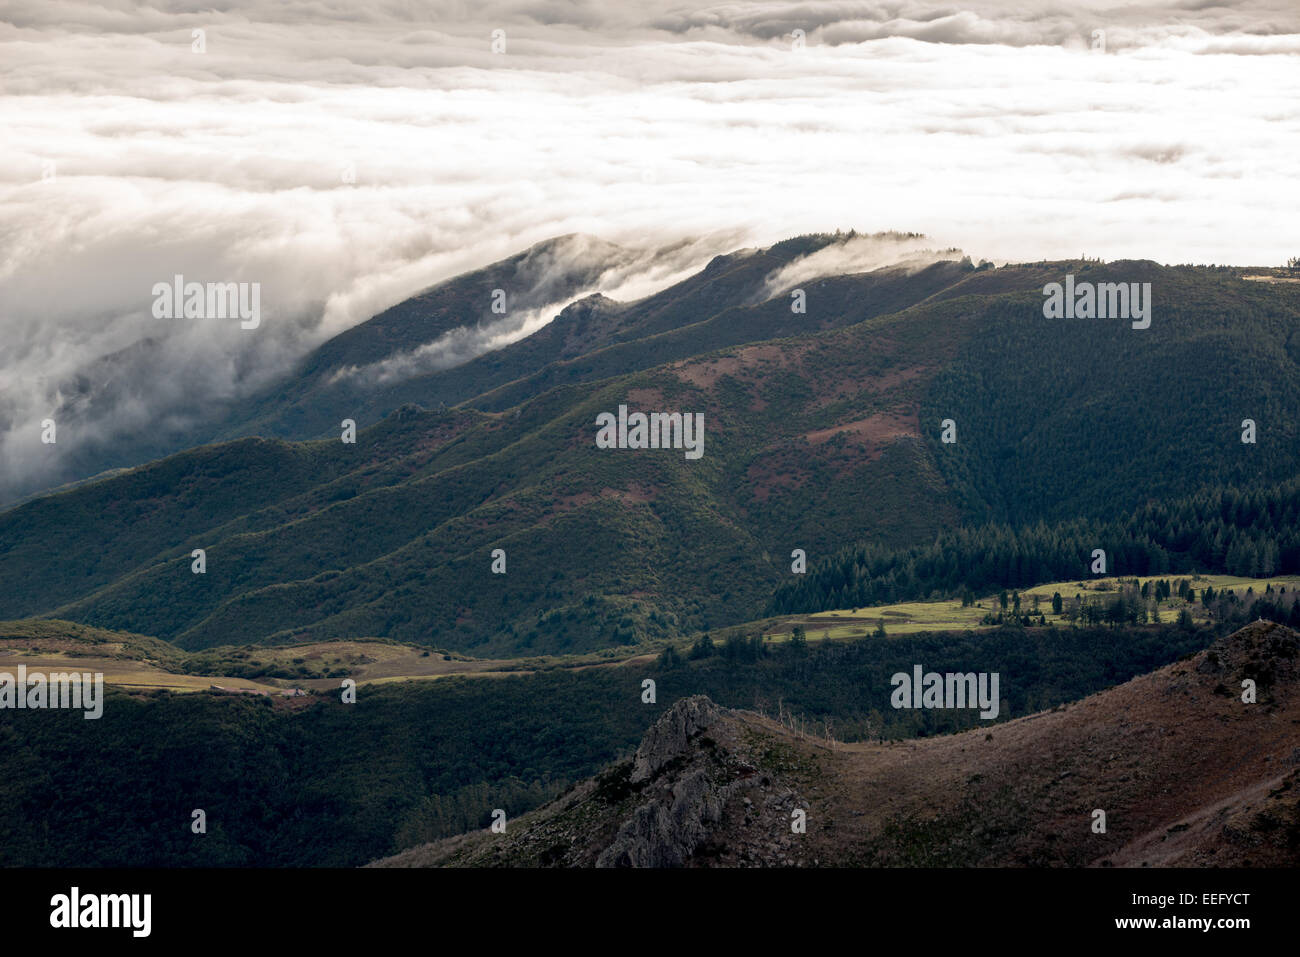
1187, 774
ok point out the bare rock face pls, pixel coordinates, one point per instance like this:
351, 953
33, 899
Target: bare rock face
666, 830
670, 737
708, 787
685, 786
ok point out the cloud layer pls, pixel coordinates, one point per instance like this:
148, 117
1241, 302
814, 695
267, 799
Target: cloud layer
347, 156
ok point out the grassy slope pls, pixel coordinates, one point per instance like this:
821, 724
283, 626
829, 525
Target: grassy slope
132, 661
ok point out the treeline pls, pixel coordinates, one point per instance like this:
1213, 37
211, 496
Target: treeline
1252, 533
1232, 609
842, 688
1139, 603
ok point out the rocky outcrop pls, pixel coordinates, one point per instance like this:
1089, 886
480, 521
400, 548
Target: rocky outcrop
707, 787
666, 829
1263, 652
670, 737
1190, 770
690, 785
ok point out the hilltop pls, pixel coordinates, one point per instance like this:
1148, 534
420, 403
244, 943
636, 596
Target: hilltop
1186, 773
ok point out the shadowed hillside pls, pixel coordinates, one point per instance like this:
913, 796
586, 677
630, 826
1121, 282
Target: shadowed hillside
1186, 773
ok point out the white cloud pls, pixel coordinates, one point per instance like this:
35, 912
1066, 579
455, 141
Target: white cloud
858, 254
986, 126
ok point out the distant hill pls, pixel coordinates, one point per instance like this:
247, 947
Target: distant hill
822, 432
1185, 772
393, 358
417, 352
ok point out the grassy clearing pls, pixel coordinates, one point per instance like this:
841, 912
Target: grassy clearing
139, 662
906, 618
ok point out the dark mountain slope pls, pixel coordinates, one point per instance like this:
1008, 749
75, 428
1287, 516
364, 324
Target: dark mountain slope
833, 302
1186, 773
443, 325
346, 377
1061, 418
334, 381
613, 543
812, 442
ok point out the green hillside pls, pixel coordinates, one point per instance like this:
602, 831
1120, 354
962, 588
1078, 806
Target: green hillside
825, 441
594, 337
1062, 418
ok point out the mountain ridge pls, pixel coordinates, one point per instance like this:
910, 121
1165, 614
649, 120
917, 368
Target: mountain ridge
712, 787
814, 441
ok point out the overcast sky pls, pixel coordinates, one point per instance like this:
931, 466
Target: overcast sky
348, 155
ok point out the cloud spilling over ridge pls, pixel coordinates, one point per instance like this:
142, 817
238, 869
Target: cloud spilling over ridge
346, 157
858, 254
450, 349
617, 274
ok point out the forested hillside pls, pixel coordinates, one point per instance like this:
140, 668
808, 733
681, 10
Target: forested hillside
1069, 435
337, 785
1252, 533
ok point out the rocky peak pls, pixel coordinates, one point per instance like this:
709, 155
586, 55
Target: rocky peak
670, 737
